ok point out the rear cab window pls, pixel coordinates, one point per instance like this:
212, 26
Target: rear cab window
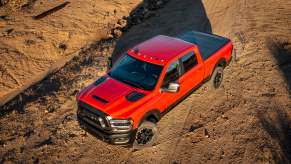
189, 61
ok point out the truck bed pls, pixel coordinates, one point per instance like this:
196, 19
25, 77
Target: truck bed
208, 43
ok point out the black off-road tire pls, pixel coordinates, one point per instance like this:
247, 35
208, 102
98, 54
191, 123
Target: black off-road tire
216, 78
146, 131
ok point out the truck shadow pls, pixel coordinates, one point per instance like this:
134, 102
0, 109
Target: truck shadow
175, 18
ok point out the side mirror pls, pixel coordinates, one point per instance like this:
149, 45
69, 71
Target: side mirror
109, 63
172, 88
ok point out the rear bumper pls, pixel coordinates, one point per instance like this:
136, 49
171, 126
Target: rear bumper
112, 138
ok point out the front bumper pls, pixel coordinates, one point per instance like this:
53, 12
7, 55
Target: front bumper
88, 120
112, 138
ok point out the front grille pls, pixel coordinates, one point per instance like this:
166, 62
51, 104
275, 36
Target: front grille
90, 114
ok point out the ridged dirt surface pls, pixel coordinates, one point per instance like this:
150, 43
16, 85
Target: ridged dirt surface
247, 120
32, 48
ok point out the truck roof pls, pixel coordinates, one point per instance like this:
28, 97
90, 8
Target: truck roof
160, 49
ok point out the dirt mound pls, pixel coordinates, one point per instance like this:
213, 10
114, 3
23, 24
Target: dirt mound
40, 38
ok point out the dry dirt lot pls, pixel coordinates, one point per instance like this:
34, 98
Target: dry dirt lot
33, 45
247, 120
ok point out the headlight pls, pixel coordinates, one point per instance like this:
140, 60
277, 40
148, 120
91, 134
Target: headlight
120, 125
101, 121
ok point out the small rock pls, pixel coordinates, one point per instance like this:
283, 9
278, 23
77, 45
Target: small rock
69, 117
50, 109
110, 36
224, 117
268, 94
44, 142
3, 2
21, 149
75, 92
28, 132
115, 11
122, 22
77, 68
7, 30
117, 33
194, 127
29, 42
4, 17
206, 134
35, 160
62, 46
2, 143
195, 141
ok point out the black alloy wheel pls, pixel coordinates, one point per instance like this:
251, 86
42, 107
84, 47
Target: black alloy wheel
146, 135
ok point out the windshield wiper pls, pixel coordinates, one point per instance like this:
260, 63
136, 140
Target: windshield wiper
136, 85
133, 84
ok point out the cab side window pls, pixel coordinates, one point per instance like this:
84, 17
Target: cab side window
172, 73
189, 61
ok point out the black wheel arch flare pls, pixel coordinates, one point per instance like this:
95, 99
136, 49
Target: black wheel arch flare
152, 114
222, 62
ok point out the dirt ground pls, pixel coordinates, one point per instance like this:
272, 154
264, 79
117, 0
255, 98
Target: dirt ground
247, 120
33, 45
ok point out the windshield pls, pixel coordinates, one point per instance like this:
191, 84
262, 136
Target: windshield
136, 73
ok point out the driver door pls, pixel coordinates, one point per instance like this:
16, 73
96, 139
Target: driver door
172, 75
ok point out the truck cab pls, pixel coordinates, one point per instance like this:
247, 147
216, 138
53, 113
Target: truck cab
124, 105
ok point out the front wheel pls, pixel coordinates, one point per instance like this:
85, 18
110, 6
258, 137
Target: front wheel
146, 135
216, 78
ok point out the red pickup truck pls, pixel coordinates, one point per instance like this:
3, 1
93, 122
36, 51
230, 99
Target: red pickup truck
124, 106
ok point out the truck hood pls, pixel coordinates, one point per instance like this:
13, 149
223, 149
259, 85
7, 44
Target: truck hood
109, 95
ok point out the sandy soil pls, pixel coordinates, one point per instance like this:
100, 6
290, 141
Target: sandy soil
32, 48
247, 120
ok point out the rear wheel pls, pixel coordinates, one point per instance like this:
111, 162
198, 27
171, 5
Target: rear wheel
216, 78
146, 135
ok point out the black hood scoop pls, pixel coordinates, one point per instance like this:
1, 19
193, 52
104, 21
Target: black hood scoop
134, 96
100, 99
